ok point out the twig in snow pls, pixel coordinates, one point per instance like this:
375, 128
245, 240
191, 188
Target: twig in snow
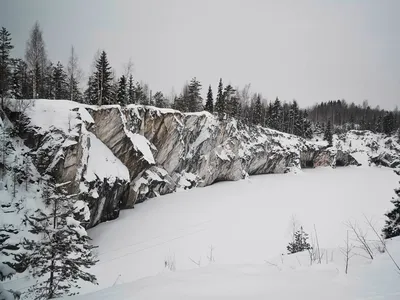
316, 238
196, 263
382, 241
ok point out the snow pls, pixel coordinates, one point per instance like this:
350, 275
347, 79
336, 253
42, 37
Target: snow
142, 145
246, 222
102, 163
82, 208
5, 270
365, 144
76, 226
48, 114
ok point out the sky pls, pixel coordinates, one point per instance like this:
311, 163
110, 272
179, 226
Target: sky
309, 50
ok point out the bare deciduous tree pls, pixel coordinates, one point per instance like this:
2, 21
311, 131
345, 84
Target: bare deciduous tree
369, 222
74, 73
210, 257
318, 249
36, 57
347, 252
361, 238
128, 68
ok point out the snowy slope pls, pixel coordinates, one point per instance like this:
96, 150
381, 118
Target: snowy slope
246, 222
295, 279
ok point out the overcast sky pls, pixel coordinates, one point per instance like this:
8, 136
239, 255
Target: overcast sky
305, 50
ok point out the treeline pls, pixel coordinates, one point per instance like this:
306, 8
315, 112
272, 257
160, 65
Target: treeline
37, 77
346, 116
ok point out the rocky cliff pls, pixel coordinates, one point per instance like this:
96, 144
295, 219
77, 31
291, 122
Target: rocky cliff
118, 156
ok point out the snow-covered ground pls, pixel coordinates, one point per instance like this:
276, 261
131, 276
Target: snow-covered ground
246, 223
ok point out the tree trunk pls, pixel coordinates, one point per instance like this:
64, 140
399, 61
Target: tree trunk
51, 280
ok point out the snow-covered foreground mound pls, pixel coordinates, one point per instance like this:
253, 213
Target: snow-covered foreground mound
290, 280
245, 222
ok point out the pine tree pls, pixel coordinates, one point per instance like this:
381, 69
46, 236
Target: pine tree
103, 80
5, 64
220, 102
210, 101
60, 82
328, 134
392, 226
63, 251
122, 91
299, 243
131, 91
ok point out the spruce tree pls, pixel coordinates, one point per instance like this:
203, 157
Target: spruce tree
46, 86
306, 127
141, 95
295, 119
388, 123
227, 96
131, 90
392, 224
60, 82
63, 253
160, 100
103, 80
257, 110
276, 115
195, 102
220, 101
299, 243
20, 80
122, 91
91, 91
234, 106
210, 101
268, 119
74, 91
328, 134
5, 64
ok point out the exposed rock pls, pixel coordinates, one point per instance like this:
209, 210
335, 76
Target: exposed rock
196, 149
163, 149
378, 148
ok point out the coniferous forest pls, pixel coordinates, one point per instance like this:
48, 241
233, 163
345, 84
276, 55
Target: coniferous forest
35, 76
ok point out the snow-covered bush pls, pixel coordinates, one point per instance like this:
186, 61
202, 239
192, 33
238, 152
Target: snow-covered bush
299, 242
